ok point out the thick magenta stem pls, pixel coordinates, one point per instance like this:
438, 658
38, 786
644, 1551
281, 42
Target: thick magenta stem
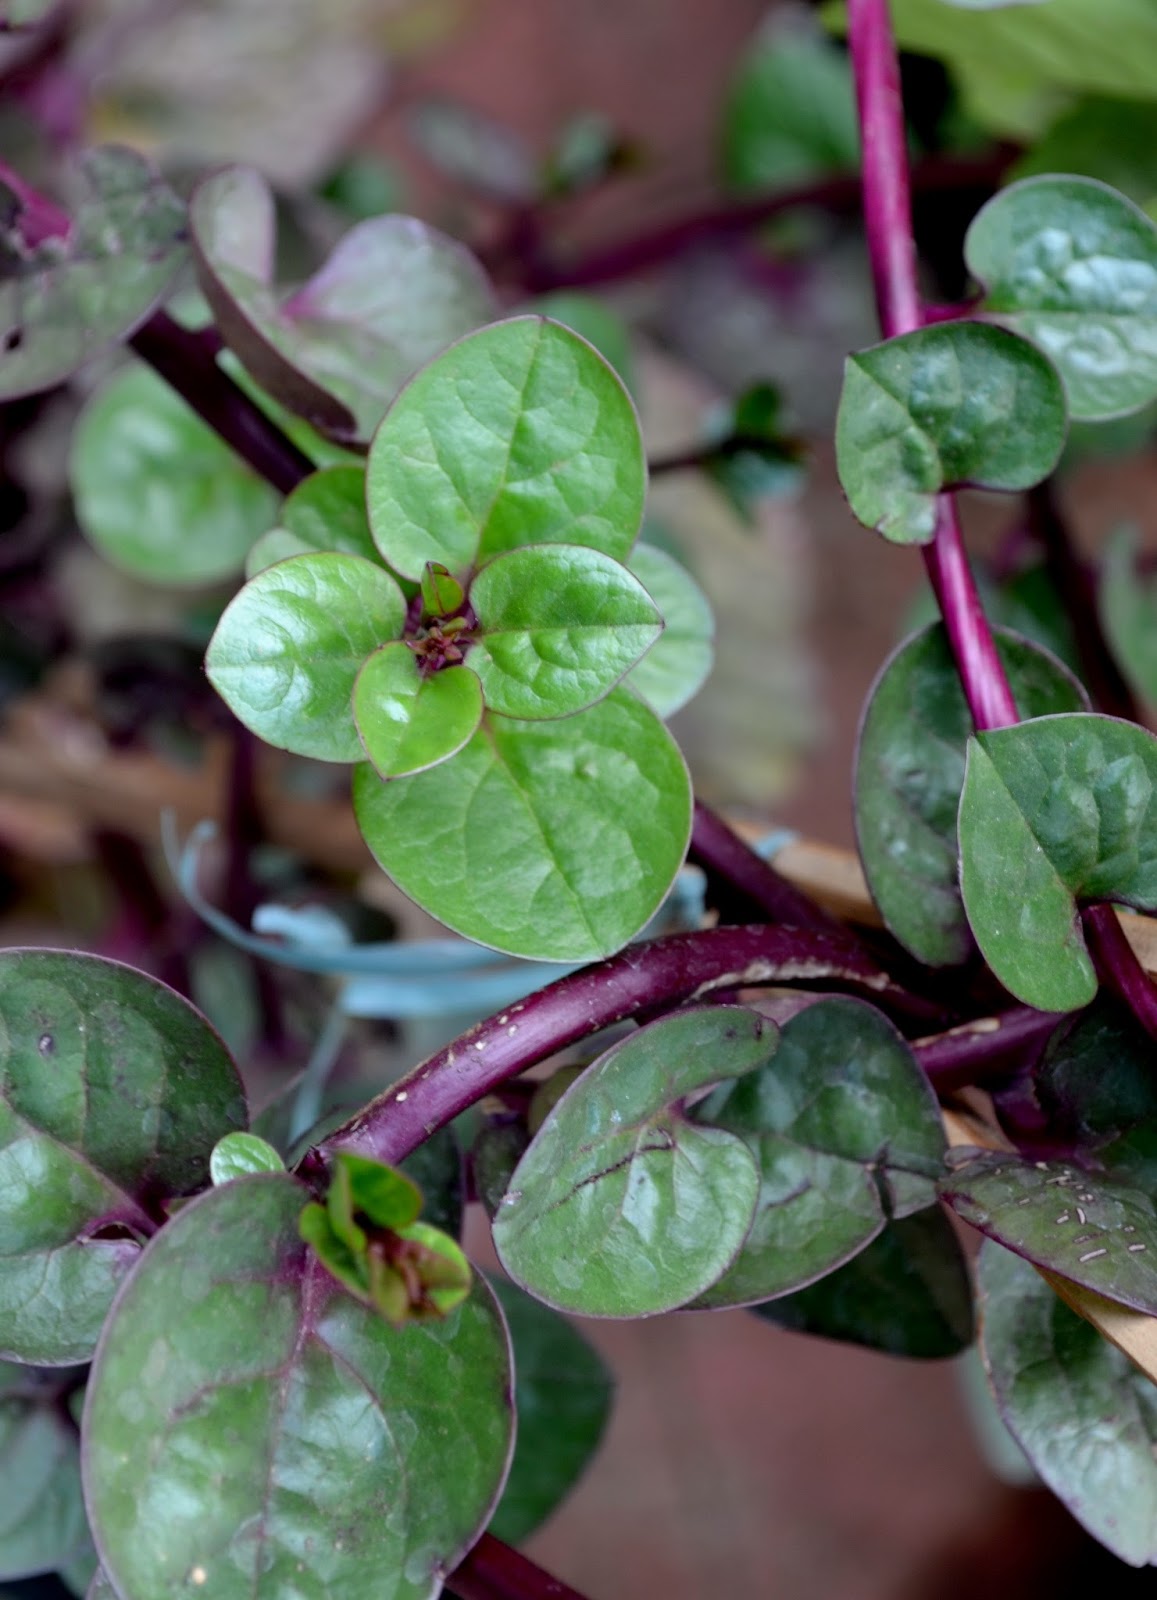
982, 674
986, 1051
493, 1571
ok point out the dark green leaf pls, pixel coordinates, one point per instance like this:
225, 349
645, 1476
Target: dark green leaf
238, 1155
276, 1437
496, 1151
1128, 606
1088, 1229
326, 512
957, 403
1052, 812
556, 841
519, 434
848, 1136
288, 649
677, 665
756, 459
436, 1167
909, 774
114, 1092
42, 1521
1110, 139
1079, 1409
790, 114
563, 1396
66, 299
157, 491
621, 1207
409, 722
907, 1293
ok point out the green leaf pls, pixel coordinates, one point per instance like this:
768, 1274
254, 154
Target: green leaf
621, 1206
238, 1155
113, 1092
42, 1521
756, 459
563, 1395
1054, 812
436, 1167
677, 665
847, 1135
65, 299
954, 404
409, 722
337, 350
909, 774
1088, 1229
907, 1293
442, 594
1128, 607
101, 1588
1081, 1412
496, 1151
519, 434
155, 489
556, 841
594, 321
288, 649
1072, 265
1113, 140
559, 625
277, 1437
326, 512
790, 114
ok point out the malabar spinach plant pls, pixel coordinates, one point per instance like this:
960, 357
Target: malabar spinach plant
237, 1361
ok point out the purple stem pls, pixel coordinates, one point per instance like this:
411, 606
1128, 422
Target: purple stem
493, 1571
986, 1051
751, 886
1117, 964
40, 218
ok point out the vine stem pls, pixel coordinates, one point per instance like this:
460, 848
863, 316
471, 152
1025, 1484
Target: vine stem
495, 1571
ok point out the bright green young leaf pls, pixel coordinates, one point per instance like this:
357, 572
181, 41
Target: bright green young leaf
156, 491
238, 1155
621, 1206
289, 647
519, 434
1083, 1227
847, 1135
595, 322
1054, 812
42, 1521
909, 774
326, 512
953, 404
1101, 137
1072, 265
1128, 607
676, 666
790, 114
556, 841
113, 1092
64, 300
275, 1436
407, 722
558, 626
1079, 1409
907, 1293
563, 1395
442, 594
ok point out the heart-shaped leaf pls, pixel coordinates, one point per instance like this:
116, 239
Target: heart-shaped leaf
1072, 265
113, 1092
519, 434
288, 649
155, 489
621, 1206
295, 1441
1128, 606
559, 626
1079, 1409
676, 666
1088, 1229
595, 322
563, 1394
1052, 812
848, 1136
410, 721
957, 403
337, 350
239, 1155
64, 299
42, 1521
907, 1293
325, 512
909, 774
556, 841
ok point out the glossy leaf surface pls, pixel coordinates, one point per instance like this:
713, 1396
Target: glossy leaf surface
114, 1092
156, 491
326, 512
909, 774
1052, 812
556, 841
409, 722
952, 404
559, 625
595, 322
288, 649
239, 1155
677, 665
277, 1436
42, 1521
621, 1207
1079, 1409
847, 1135
519, 434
